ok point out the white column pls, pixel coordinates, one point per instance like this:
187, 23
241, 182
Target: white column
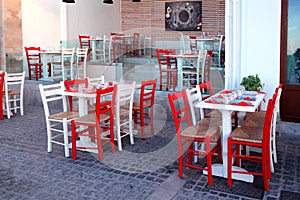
228, 45
63, 25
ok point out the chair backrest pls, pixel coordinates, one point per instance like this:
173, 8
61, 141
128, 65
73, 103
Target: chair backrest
84, 41
206, 66
194, 96
193, 43
124, 96
136, 41
75, 84
180, 109
105, 106
15, 81
67, 54
165, 61
268, 124
81, 59
206, 89
33, 56
52, 93
148, 92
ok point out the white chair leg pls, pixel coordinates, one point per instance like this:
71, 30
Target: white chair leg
130, 129
49, 138
119, 137
15, 103
66, 140
7, 107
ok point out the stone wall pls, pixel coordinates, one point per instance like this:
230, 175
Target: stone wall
11, 47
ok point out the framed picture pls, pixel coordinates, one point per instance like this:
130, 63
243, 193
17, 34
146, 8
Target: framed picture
183, 16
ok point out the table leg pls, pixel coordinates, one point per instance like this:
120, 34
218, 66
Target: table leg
221, 169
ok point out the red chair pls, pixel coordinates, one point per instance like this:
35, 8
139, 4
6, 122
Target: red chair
116, 48
167, 75
135, 44
75, 84
259, 138
143, 110
200, 133
2, 75
84, 41
100, 125
34, 62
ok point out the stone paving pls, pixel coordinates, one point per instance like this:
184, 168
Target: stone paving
146, 170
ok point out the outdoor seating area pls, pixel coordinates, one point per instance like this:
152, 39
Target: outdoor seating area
149, 100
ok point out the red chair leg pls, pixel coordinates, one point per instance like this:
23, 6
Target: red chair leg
74, 136
229, 163
190, 154
209, 163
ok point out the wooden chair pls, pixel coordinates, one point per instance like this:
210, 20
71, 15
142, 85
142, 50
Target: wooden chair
81, 60
62, 70
100, 125
167, 75
136, 44
123, 113
75, 85
2, 76
34, 62
143, 109
256, 120
84, 42
197, 133
56, 121
259, 138
14, 90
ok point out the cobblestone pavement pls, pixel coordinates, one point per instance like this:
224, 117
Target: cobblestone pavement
146, 170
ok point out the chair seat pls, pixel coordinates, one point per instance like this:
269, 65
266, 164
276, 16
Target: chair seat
199, 131
210, 122
13, 92
260, 114
137, 105
217, 113
255, 123
91, 118
247, 135
68, 115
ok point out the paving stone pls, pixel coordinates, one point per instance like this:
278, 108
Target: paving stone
28, 171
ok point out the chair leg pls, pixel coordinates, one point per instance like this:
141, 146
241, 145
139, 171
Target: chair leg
180, 153
112, 140
229, 163
66, 140
49, 136
74, 136
99, 143
151, 121
209, 163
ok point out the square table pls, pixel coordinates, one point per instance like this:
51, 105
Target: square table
239, 104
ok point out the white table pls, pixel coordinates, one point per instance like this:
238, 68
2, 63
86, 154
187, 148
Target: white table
226, 110
180, 58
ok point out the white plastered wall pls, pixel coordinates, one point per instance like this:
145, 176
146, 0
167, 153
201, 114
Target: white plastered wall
260, 41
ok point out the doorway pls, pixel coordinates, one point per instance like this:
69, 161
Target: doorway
290, 60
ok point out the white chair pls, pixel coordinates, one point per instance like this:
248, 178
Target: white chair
123, 112
81, 58
56, 122
194, 96
61, 69
14, 89
191, 74
107, 46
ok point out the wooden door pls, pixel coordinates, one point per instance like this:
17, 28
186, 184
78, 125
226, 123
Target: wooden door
290, 60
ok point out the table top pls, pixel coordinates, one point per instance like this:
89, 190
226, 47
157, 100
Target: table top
247, 102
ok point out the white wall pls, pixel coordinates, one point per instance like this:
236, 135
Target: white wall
92, 17
41, 20
260, 41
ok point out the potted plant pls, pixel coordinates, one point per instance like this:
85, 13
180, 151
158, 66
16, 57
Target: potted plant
252, 83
